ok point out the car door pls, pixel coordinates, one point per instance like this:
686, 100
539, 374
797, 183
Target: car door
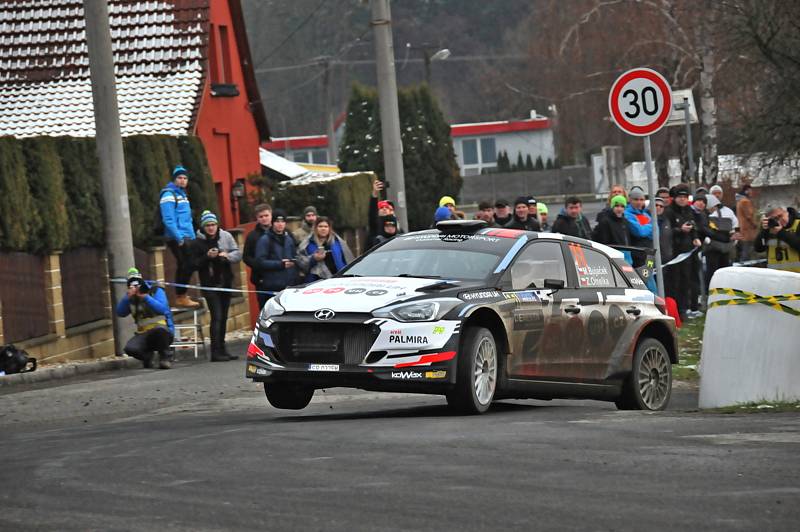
591, 328
528, 308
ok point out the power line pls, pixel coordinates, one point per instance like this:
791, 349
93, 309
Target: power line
291, 33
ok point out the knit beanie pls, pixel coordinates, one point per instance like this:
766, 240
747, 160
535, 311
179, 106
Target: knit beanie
542, 208
179, 170
446, 200
208, 217
134, 276
442, 213
619, 200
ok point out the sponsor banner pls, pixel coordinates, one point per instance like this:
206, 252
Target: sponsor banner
523, 296
449, 237
398, 337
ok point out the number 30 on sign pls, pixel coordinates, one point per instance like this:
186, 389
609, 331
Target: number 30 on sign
640, 101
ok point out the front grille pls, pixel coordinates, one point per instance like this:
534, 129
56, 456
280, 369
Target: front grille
335, 343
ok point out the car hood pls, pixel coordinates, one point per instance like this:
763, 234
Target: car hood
356, 294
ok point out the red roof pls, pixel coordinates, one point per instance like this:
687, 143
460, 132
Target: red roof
296, 143
494, 128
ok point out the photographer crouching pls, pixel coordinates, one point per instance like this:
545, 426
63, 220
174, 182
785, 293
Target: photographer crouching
780, 238
148, 306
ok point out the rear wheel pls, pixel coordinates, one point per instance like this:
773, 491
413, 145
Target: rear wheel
649, 385
287, 395
476, 376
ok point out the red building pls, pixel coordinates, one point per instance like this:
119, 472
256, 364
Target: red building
183, 67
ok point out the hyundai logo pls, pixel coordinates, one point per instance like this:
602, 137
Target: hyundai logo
324, 314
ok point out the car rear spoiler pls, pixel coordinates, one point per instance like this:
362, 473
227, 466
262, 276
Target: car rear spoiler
646, 270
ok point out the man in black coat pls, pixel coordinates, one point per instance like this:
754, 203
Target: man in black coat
571, 221
523, 219
263, 223
681, 219
612, 229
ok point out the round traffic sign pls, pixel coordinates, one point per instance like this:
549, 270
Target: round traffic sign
640, 102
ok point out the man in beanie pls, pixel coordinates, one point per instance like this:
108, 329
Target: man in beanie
485, 213
639, 225
684, 238
613, 229
147, 304
305, 229
502, 212
450, 203
214, 251
276, 256
378, 208
522, 217
176, 214
541, 208
388, 230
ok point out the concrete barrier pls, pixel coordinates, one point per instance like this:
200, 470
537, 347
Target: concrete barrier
751, 347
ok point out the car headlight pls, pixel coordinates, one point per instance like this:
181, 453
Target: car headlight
421, 311
271, 309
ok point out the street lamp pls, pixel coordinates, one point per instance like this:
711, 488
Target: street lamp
439, 55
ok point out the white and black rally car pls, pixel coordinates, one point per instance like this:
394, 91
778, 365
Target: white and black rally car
476, 314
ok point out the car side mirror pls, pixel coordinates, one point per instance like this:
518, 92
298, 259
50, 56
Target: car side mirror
554, 284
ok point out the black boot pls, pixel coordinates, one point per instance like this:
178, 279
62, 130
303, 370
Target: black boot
228, 354
219, 356
147, 360
165, 358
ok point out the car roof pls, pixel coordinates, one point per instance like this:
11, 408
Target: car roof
503, 232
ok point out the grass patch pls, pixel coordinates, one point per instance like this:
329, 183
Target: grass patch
690, 345
756, 408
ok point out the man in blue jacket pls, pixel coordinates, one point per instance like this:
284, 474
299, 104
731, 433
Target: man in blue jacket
276, 256
148, 306
176, 213
639, 224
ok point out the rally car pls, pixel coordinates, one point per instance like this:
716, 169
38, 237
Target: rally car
475, 314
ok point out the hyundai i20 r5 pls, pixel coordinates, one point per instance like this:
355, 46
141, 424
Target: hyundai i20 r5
476, 314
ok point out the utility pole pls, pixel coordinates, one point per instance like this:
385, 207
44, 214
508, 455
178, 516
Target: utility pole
390, 114
108, 139
329, 118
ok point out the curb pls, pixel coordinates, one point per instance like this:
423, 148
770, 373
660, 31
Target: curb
71, 370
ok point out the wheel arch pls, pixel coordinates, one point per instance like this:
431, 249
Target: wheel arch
660, 331
484, 317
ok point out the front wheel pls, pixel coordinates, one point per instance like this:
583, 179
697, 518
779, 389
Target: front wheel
476, 375
288, 396
649, 385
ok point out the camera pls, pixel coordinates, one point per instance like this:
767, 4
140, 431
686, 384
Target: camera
773, 222
690, 223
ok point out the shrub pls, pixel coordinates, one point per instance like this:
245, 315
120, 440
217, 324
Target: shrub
46, 185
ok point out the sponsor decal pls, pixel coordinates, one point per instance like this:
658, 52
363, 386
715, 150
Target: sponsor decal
406, 375
574, 336
473, 296
323, 367
528, 320
396, 331
426, 360
504, 233
354, 291
616, 321
377, 292
522, 297
441, 374
312, 291
401, 339
262, 371
450, 237
597, 327
333, 290
438, 329
324, 314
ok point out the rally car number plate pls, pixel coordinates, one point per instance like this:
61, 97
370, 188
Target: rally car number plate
323, 367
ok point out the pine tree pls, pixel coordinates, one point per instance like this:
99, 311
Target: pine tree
46, 185
528, 162
549, 164
520, 163
14, 197
539, 163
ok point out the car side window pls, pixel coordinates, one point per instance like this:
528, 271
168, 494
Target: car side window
619, 280
537, 262
593, 268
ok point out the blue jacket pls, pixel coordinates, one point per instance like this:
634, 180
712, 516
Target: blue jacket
155, 304
336, 251
269, 259
176, 213
639, 222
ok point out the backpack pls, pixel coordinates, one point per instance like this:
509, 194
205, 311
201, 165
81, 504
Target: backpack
160, 229
13, 360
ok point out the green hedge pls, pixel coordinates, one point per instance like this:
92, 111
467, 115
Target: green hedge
345, 199
52, 187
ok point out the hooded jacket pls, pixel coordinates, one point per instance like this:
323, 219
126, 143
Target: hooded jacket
215, 272
176, 213
271, 250
640, 226
577, 227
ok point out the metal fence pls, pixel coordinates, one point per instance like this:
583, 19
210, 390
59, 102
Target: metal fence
22, 292
83, 285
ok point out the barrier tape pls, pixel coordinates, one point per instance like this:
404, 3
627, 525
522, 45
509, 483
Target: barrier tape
754, 262
749, 298
119, 280
680, 258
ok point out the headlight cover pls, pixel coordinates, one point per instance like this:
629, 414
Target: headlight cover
271, 309
418, 311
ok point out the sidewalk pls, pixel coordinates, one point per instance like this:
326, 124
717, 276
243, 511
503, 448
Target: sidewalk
237, 342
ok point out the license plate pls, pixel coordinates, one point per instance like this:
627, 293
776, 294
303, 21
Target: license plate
323, 367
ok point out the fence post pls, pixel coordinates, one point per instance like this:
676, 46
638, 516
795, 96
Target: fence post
53, 293
156, 258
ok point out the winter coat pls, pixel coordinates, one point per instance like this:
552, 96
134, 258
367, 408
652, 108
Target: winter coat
270, 252
249, 254
530, 224
215, 272
640, 226
302, 232
148, 311
566, 225
745, 213
677, 216
338, 257
665, 239
502, 222
612, 231
176, 213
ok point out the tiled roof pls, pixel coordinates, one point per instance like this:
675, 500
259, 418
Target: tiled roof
159, 56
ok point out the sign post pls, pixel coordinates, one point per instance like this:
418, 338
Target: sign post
640, 103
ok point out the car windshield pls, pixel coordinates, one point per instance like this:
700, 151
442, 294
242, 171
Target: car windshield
437, 256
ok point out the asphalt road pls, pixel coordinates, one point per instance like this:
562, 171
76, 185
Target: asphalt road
198, 448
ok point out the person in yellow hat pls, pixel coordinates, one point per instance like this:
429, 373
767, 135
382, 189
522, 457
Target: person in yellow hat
541, 208
450, 203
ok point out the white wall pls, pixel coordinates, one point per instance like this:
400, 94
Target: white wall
536, 143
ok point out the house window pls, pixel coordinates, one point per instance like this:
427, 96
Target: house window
301, 157
470, 150
225, 49
319, 156
488, 151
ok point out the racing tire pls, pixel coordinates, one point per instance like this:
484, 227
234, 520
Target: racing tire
477, 371
649, 385
288, 396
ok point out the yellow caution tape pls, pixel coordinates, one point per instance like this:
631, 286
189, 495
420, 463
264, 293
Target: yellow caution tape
749, 298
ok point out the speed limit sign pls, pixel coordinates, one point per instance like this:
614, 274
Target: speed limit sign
640, 102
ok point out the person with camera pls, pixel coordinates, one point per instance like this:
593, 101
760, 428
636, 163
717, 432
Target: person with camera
323, 252
147, 304
378, 209
214, 251
780, 238
276, 256
678, 277
176, 216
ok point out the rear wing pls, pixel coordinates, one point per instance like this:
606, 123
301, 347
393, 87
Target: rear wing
639, 275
